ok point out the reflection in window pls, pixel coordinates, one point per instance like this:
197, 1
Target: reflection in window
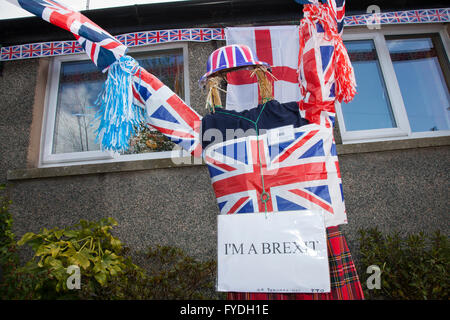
371, 108
419, 69
79, 85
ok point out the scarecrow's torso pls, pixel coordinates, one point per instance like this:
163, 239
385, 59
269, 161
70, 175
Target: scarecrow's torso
286, 161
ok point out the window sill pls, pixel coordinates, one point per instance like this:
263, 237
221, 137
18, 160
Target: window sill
124, 166
342, 149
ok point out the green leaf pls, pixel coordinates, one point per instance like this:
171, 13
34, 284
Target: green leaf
58, 233
81, 259
55, 263
101, 278
116, 243
42, 251
70, 233
26, 237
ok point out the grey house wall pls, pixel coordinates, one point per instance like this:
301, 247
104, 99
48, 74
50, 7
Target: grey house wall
392, 185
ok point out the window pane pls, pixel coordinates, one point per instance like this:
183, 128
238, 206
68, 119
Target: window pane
79, 85
371, 108
424, 89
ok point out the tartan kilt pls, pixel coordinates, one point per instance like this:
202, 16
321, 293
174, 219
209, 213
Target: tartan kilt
345, 283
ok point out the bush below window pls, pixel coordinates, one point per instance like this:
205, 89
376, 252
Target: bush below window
413, 267
106, 270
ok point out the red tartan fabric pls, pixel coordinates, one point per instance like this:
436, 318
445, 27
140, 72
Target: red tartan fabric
345, 283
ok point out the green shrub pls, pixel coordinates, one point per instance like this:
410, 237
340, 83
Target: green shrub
174, 275
170, 274
15, 282
413, 267
106, 272
88, 245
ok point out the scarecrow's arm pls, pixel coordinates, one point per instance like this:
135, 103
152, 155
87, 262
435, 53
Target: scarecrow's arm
131, 94
166, 112
325, 72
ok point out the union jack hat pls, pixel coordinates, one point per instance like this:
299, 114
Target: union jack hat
230, 57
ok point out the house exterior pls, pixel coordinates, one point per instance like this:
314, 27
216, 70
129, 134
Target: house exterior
392, 140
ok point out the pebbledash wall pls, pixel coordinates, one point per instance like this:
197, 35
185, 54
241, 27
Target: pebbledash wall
393, 185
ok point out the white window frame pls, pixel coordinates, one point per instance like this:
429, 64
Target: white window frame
403, 129
47, 159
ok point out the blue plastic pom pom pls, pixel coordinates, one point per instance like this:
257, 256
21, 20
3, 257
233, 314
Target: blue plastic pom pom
120, 119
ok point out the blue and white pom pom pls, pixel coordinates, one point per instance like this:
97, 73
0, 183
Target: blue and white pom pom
120, 119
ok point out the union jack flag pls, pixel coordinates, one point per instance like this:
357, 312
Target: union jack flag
180, 35
218, 34
71, 47
158, 36
299, 174
122, 38
201, 34
396, 17
438, 15
10, 53
136, 39
31, 50
52, 48
418, 15
355, 20
102, 47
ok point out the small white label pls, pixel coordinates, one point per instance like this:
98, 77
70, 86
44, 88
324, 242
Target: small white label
280, 135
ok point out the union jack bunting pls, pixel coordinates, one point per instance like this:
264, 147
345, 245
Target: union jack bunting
10, 53
71, 47
201, 34
52, 48
122, 38
180, 35
102, 47
413, 16
135, 39
32, 50
158, 36
218, 34
358, 20
418, 15
438, 15
396, 17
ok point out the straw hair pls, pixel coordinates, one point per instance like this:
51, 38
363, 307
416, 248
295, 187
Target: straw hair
213, 98
265, 85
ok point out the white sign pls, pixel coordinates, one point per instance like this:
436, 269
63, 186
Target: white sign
273, 252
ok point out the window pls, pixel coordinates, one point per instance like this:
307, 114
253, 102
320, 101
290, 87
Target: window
403, 81
371, 107
70, 123
419, 65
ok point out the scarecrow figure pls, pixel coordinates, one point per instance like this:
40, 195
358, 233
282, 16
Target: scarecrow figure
252, 172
